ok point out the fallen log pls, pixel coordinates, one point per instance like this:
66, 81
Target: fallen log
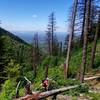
91, 78
56, 91
41, 95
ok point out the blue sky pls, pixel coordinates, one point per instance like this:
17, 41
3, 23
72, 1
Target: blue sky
32, 15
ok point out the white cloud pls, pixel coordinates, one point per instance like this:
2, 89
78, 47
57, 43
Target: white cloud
34, 16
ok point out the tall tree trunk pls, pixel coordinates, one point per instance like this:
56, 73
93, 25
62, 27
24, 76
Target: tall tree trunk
46, 71
48, 40
60, 48
36, 53
81, 42
95, 43
86, 31
52, 30
82, 35
71, 36
49, 43
64, 70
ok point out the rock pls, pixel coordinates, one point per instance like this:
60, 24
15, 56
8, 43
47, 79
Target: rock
62, 97
81, 95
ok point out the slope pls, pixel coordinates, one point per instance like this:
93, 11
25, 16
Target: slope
12, 50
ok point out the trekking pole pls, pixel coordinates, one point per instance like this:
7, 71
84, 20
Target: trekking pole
17, 91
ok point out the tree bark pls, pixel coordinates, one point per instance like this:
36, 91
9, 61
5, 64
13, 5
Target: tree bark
81, 42
64, 70
46, 71
84, 53
95, 43
71, 36
48, 40
36, 53
82, 35
52, 29
39, 95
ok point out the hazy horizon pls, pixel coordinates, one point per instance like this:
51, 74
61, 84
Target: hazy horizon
28, 35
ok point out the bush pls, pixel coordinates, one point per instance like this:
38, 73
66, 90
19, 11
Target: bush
8, 90
83, 88
94, 96
21, 92
29, 75
12, 69
78, 90
51, 61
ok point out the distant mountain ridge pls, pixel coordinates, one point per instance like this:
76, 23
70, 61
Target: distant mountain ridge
15, 37
28, 36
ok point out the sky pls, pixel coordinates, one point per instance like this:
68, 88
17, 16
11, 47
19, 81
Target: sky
32, 15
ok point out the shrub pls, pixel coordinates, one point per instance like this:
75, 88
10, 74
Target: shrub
8, 90
83, 88
94, 96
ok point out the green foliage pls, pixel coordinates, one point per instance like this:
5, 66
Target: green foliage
8, 90
52, 61
77, 91
83, 88
46, 61
29, 75
53, 85
75, 62
76, 59
56, 78
94, 96
21, 91
14, 55
12, 69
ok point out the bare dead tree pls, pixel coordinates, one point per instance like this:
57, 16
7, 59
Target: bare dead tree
51, 38
60, 48
84, 4
86, 32
95, 43
52, 27
48, 40
36, 53
71, 36
46, 71
83, 22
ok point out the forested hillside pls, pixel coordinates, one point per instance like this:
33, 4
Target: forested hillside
14, 53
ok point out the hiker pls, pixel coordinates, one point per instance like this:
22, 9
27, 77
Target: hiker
45, 84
